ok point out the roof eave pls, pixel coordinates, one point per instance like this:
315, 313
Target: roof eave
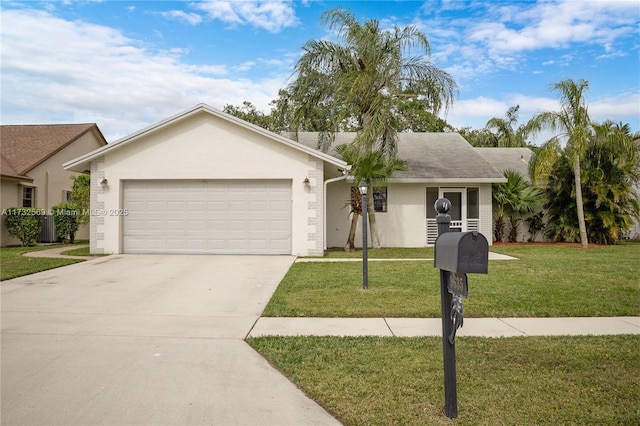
82, 162
16, 178
456, 180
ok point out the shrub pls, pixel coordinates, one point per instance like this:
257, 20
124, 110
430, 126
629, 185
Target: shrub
24, 223
81, 196
65, 217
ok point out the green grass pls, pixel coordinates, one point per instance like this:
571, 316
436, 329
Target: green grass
384, 253
546, 281
509, 381
83, 251
14, 264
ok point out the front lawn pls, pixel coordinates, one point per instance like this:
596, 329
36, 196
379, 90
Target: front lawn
14, 264
574, 380
545, 281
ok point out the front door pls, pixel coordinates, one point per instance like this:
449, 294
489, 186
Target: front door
458, 205
464, 211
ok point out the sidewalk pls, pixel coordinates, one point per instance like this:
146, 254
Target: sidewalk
492, 256
415, 327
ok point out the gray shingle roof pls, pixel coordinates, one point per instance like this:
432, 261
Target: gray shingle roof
432, 157
508, 158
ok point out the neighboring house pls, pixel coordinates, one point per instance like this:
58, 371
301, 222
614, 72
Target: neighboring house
207, 182
32, 174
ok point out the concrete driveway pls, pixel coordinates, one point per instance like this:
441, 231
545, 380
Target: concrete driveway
145, 339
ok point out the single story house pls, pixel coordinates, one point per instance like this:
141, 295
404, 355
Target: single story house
439, 165
204, 181
32, 174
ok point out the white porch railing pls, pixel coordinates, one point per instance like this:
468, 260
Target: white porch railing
432, 228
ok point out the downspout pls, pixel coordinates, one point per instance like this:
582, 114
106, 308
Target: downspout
345, 173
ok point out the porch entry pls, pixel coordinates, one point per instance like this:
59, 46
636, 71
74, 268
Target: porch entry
465, 209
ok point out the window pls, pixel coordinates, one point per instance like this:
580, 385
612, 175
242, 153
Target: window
380, 199
28, 193
379, 195
66, 197
473, 203
432, 196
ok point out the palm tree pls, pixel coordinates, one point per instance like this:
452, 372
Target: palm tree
610, 169
574, 125
361, 80
362, 77
375, 169
511, 200
505, 133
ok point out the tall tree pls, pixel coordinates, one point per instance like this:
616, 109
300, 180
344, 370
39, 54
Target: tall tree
574, 127
507, 134
610, 169
361, 78
248, 112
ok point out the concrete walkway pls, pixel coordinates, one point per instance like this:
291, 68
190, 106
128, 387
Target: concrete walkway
414, 327
57, 252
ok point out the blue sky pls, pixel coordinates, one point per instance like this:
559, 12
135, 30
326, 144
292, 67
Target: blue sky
128, 64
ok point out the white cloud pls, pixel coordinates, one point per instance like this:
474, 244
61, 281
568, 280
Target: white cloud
272, 16
498, 35
81, 72
556, 24
475, 112
181, 16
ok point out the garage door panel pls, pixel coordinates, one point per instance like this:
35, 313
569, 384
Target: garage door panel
218, 217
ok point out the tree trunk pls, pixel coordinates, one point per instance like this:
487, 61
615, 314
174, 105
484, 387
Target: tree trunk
513, 230
350, 246
498, 232
373, 227
584, 241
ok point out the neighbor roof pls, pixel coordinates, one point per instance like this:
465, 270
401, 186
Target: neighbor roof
26, 146
508, 158
82, 162
431, 157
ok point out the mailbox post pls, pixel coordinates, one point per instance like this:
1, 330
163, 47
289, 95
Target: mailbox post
456, 254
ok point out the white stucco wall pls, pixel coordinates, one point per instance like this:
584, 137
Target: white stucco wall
9, 197
201, 147
404, 223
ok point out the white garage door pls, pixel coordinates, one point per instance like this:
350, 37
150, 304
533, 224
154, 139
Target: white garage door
208, 217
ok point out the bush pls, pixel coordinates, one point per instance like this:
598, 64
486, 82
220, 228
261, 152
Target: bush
65, 218
24, 223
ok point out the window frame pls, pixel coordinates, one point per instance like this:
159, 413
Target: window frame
29, 199
383, 193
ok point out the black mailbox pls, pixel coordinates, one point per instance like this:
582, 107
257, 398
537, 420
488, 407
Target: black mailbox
462, 252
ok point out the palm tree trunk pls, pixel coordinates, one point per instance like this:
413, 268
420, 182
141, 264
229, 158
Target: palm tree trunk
498, 232
373, 227
350, 246
579, 205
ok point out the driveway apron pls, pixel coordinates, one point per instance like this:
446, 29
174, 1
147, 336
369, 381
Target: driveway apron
145, 339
